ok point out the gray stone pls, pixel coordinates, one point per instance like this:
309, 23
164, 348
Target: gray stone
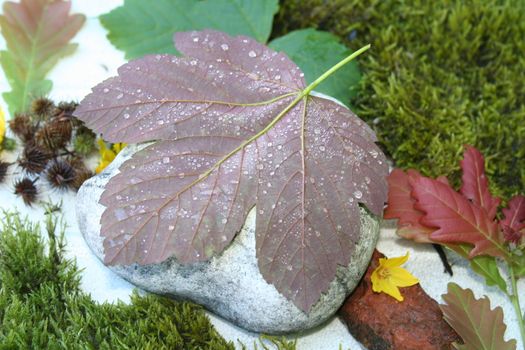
230, 284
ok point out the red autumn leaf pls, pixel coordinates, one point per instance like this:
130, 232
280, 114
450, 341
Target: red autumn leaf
401, 206
514, 219
475, 185
458, 220
514, 214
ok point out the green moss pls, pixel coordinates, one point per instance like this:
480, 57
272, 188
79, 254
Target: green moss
42, 306
441, 74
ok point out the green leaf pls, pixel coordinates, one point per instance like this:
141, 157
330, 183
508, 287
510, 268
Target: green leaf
483, 265
518, 264
37, 35
314, 52
155, 22
480, 327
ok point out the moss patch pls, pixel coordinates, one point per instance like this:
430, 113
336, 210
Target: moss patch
42, 306
441, 74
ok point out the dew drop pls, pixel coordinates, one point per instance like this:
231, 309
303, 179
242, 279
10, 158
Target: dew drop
322, 148
374, 153
358, 194
166, 160
126, 116
224, 220
196, 39
317, 131
277, 77
252, 54
171, 227
120, 214
225, 47
119, 96
106, 90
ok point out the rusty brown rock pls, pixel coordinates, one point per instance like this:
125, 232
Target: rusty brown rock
380, 322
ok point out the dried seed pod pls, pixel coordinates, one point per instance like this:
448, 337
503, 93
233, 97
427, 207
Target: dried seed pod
60, 174
66, 108
80, 177
63, 126
34, 159
42, 107
26, 189
54, 135
84, 142
22, 126
4, 166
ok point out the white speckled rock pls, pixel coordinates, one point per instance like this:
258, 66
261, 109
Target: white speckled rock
230, 284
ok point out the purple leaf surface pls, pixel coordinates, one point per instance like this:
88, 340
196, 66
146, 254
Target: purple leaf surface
233, 131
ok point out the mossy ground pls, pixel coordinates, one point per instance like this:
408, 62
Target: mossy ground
42, 306
440, 74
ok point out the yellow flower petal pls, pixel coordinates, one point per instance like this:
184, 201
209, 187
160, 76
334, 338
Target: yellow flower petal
107, 155
401, 277
388, 276
117, 147
394, 292
398, 261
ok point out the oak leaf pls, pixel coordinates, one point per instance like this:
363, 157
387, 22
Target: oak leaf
458, 220
475, 185
513, 222
477, 324
37, 35
401, 207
